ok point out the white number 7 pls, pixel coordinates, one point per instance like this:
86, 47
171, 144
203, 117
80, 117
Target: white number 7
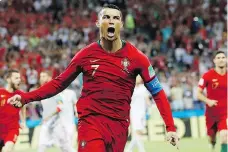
95, 68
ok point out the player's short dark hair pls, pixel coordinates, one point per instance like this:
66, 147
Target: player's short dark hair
112, 6
10, 72
218, 52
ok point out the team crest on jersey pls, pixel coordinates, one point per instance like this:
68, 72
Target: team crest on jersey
125, 62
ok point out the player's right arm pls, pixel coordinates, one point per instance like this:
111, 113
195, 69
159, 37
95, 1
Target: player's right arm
53, 87
200, 95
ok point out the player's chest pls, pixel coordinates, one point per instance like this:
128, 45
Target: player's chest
4, 106
108, 65
3, 100
217, 83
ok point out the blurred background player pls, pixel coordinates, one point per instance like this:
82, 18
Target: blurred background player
215, 82
69, 112
109, 68
9, 115
57, 128
139, 101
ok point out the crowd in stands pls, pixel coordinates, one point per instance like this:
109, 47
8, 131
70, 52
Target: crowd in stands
178, 36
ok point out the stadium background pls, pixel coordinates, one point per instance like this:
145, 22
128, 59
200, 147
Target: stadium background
178, 36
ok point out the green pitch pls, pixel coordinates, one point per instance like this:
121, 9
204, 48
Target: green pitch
185, 145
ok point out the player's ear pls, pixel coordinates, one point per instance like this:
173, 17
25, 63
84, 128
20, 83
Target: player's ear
97, 23
8, 79
214, 60
121, 25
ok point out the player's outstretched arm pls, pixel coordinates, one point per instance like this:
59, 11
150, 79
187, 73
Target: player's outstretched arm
51, 88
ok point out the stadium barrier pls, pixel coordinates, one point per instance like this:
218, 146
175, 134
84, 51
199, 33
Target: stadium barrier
189, 123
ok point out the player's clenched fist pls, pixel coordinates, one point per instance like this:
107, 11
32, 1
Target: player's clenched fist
173, 138
15, 101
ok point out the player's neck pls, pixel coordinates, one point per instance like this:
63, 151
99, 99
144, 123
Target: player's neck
220, 70
111, 46
9, 89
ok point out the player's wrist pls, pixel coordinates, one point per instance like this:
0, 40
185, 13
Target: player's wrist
207, 101
171, 129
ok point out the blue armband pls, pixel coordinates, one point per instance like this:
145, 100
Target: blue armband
154, 86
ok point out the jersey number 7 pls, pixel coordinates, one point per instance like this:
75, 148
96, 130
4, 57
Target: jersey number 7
95, 67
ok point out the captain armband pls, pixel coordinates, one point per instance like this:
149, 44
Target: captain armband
154, 86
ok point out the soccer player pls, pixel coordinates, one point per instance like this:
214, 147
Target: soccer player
140, 100
9, 115
215, 82
109, 68
69, 105
53, 129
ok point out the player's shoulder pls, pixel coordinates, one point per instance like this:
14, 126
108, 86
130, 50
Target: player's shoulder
209, 72
91, 46
3, 91
85, 50
134, 51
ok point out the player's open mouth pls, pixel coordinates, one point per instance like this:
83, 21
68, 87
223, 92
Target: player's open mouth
111, 31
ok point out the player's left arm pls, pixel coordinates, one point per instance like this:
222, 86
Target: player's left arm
154, 87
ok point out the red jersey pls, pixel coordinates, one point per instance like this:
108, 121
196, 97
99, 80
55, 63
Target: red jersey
108, 81
216, 87
8, 113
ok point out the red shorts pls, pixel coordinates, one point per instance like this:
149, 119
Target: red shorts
9, 132
99, 133
213, 126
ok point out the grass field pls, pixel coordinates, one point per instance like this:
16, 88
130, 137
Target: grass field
185, 145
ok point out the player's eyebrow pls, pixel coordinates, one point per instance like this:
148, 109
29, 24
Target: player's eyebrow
116, 17
106, 16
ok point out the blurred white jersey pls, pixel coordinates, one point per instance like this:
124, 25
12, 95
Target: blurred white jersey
50, 105
138, 107
69, 100
138, 102
59, 128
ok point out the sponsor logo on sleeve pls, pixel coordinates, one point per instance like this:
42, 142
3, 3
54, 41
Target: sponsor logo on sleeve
151, 71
